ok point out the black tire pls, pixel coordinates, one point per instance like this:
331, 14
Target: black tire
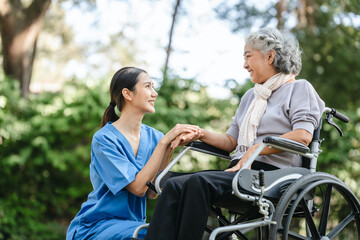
334, 215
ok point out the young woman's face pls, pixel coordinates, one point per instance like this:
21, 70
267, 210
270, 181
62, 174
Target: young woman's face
144, 94
258, 65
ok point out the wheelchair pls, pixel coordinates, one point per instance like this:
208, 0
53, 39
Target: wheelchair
289, 203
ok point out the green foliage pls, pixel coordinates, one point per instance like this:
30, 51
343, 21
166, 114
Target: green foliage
45, 154
329, 52
341, 155
242, 15
237, 89
186, 101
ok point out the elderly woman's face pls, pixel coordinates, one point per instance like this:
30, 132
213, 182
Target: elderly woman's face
258, 65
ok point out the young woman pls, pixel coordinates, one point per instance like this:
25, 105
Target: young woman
125, 155
278, 105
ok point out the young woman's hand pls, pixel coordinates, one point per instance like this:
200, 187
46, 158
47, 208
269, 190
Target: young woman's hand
178, 130
185, 138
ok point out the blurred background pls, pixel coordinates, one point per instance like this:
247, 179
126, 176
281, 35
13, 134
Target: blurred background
58, 57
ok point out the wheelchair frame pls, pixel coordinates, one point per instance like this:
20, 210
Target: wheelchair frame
287, 205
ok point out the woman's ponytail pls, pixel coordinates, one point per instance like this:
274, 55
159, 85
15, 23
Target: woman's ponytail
109, 114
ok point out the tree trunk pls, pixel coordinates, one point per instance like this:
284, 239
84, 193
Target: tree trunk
20, 28
280, 8
168, 50
305, 13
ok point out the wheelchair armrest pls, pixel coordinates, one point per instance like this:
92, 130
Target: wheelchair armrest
196, 146
286, 144
208, 149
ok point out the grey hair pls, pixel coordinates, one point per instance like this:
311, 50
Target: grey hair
288, 54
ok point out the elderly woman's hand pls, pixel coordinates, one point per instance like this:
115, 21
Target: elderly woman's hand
243, 160
178, 130
185, 138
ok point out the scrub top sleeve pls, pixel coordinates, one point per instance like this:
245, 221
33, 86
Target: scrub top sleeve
113, 166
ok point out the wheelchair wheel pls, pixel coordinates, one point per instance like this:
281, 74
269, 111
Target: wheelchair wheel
317, 206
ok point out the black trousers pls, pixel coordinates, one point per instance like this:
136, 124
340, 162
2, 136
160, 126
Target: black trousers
183, 207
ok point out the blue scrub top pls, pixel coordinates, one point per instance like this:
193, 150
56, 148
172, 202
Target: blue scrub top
113, 166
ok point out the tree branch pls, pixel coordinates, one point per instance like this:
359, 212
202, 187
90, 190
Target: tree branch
168, 50
37, 9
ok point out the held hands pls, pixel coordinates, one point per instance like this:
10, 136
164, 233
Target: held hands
181, 132
185, 138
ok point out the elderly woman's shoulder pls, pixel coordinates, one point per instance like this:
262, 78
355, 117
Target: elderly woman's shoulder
249, 92
303, 83
301, 86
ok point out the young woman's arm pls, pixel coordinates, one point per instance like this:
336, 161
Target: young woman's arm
166, 159
138, 187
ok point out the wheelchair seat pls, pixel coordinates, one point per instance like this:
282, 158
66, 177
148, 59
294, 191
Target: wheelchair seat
276, 181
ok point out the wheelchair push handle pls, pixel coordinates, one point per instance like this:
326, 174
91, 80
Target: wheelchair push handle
330, 113
339, 115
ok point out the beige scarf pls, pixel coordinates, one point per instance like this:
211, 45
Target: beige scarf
256, 110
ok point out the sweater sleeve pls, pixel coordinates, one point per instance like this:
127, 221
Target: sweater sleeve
234, 127
240, 113
306, 107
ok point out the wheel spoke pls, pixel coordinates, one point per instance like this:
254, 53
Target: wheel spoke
341, 226
325, 212
291, 234
309, 220
294, 235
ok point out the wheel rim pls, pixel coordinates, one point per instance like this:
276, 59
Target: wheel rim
321, 225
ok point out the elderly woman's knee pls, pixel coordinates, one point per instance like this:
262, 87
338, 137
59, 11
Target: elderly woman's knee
198, 181
172, 185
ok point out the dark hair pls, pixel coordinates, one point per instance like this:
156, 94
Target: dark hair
126, 77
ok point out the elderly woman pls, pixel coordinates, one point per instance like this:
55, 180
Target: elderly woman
278, 105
